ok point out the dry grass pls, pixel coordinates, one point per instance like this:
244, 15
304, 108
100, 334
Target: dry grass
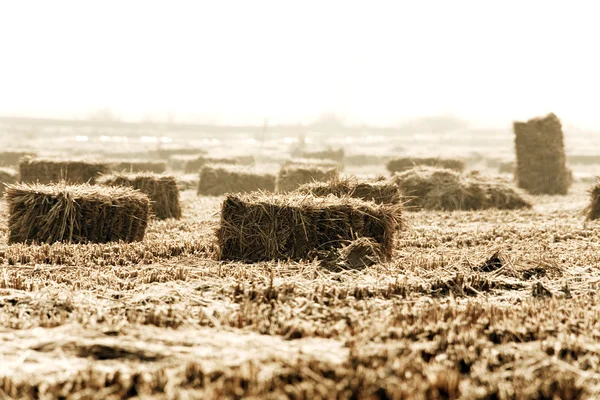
216, 180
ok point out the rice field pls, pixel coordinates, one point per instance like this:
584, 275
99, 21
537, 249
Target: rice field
486, 304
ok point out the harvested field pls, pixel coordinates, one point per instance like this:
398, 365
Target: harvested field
442, 189
45, 170
130, 166
292, 175
403, 164
216, 180
380, 191
262, 227
75, 214
163, 191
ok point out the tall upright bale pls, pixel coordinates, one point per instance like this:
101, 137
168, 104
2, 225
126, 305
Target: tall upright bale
258, 227
380, 191
162, 190
216, 180
406, 163
541, 162
7, 177
12, 158
75, 213
157, 167
45, 170
292, 176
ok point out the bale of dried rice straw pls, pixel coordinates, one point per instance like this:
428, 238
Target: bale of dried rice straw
406, 163
75, 213
379, 190
46, 170
292, 176
177, 162
162, 190
506, 167
7, 177
12, 158
329, 154
194, 166
441, 189
258, 227
216, 180
157, 167
165, 152
541, 162
592, 211
312, 162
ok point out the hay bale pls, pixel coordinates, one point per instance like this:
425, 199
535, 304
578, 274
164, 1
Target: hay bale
216, 180
45, 170
259, 227
162, 190
12, 158
406, 163
380, 191
7, 176
541, 161
328, 154
292, 176
441, 189
312, 162
592, 211
194, 166
506, 167
177, 162
164, 153
75, 213
157, 167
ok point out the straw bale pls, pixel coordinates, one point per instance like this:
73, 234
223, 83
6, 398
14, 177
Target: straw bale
7, 176
312, 162
165, 152
433, 188
583, 159
592, 211
216, 180
257, 226
291, 176
541, 161
75, 213
403, 164
194, 166
328, 154
380, 191
12, 158
162, 190
177, 162
46, 170
506, 167
157, 167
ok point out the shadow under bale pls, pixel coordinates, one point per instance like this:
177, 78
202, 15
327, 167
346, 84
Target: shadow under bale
75, 213
441, 189
259, 227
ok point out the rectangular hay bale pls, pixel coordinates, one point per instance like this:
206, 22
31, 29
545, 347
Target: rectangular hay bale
259, 227
46, 170
157, 167
380, 191
216, 180
194, 166
75, 213
12, 158
406, 163
541, 161
292, 176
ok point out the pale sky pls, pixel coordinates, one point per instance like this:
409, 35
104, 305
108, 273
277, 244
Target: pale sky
243, 61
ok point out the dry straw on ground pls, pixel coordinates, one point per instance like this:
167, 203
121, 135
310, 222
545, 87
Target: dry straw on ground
291, 176
379, 191
7, 176
75, 213
194, 166
403, 164
157, 167
216, 180
45, 170
257, 227
162, 190
433, 188
541, 161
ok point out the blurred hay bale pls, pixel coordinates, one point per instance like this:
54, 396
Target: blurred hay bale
365, 159
162, 190
592, 211
194, 166
380, 191
433, 188
187, 182
75, 213
216, 180
257, 227
291, 176
7, 177
406, 163
328, 154
46, 170
312, 162
12, 158
541, 162
506, 167
164, 153
157, 167
583, 159
177, 162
